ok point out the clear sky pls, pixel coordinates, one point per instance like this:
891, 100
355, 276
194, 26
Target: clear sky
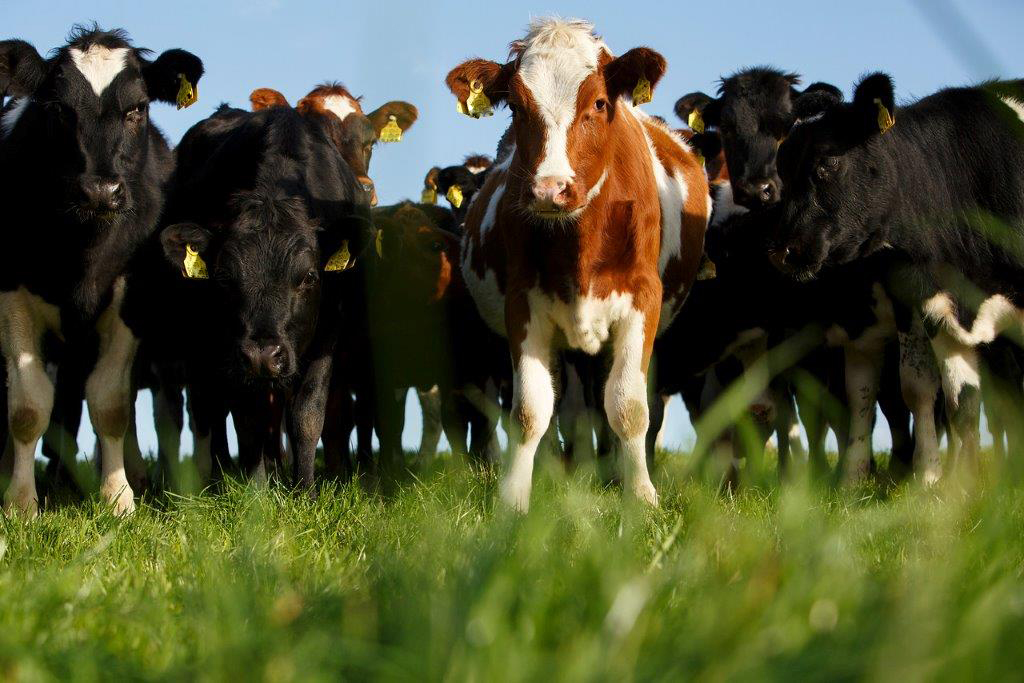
395, 49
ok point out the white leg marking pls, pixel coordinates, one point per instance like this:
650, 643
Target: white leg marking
108, 394
919, 382
863, 370
430, 404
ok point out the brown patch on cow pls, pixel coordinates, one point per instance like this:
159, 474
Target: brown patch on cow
111, 421
26, 424
264, 98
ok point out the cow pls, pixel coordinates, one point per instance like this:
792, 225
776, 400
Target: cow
587, 236
933, 194
753, 112
460, 183
82, 171
264, 217
358, 132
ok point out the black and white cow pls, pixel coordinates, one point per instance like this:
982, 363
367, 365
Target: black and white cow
268, 205
82, 170
935, 191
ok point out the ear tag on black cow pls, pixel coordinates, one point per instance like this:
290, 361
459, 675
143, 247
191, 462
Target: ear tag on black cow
187, 93
378, 243
429, 196
642, 91
695, 121
885, 119
194, 266
478, 104
708, 270
391, 132
454, 195
341, 259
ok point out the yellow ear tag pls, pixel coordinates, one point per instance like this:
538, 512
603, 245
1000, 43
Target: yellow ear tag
708, 270
429, 196
459, 108
454, 195
478, 104
391, 132
187, 93
378, 243
194, 266
642, 91
341, 259
885, 119
695, 121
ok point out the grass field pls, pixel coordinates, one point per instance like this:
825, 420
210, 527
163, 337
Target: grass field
432, 581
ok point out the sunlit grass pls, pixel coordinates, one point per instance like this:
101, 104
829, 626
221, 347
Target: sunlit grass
432, 580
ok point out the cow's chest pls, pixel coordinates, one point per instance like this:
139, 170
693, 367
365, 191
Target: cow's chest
584, 322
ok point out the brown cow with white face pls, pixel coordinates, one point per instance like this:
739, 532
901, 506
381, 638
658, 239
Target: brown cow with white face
354, 132
589, 234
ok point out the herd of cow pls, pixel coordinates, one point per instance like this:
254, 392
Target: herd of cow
601, 263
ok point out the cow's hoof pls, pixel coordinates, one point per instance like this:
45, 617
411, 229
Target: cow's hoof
515, 496
645, 493
931, 475
21, 502
120, 495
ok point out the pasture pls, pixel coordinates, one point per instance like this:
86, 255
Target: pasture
430, 580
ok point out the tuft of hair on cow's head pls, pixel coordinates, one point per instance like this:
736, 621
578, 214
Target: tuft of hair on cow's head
753, 113
264, 98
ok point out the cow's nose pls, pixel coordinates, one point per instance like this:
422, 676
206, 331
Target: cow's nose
551, 190
265, 359
761, 192
102, 194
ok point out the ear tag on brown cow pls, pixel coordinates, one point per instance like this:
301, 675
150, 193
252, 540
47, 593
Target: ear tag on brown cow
642, 91
478, 104
429, 196
885, 119
708, 270
187, 93
454, 195
391, 132
194, 266
695, 121
341, 259
378, 243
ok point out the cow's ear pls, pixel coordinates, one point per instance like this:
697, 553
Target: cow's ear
479, 77
709, 144
21, 68
173, 77
405, 115
874, 103
697, 110
264, 98
635, 73
185, 245
816, 99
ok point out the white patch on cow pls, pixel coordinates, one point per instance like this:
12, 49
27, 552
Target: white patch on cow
596, 189
1016, 105
862, 373
100, 65
11, 116
995, 315
586, 321
340, 106
557, 56
490, 302
958, 366
724, 204
919, 382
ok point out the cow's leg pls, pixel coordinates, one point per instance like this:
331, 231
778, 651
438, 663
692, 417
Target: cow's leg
657, 405
919, 382
430, 404
896, 413
659, 437
389, 421
29, 397
625, 402
533, 404
108, 395
169, 420
454, 410
338, 423
863, 370
961, 388
306, 418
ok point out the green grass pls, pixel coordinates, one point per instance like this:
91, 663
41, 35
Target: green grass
432, 581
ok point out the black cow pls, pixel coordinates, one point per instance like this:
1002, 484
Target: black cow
82, 171
263, 215
754, 111
934, 190
458, 184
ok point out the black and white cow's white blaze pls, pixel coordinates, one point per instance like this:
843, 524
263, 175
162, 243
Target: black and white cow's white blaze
81, 175
937, 189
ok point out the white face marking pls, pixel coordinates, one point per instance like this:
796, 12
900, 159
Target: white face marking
476, 170
340, 106
99, 65
558, 56
11, 116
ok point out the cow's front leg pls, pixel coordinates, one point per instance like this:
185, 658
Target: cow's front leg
29, 397
108, 394
306, 418
919, 382
625, 400
863, 371
533, 403
961, 388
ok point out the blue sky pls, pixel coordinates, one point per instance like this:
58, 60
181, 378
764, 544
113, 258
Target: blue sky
396, 49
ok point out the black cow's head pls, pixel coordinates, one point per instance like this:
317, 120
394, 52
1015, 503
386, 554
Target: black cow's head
753, 113
266, 266
839, 182
85, 110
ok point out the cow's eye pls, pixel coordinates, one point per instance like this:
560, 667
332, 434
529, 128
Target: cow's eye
136, 113
827, 166
600, 105
309, 279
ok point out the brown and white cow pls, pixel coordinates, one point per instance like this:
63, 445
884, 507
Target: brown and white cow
356, 132
589, 234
